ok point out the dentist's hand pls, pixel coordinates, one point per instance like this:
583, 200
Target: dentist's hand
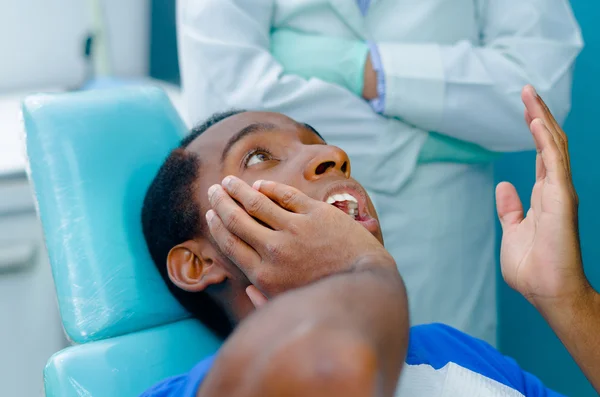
540, 254
282, 239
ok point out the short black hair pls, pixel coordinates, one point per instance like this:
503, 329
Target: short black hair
171, 215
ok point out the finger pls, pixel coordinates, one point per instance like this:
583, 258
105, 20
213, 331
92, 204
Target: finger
256, 297
540, 169
550, 120
558, 133
533, 106
551, 156
536, 200
537, 108
244, 256
286, 196
255, 203
508, 205
236, 219
528, 118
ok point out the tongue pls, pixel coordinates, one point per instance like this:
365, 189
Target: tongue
343, 205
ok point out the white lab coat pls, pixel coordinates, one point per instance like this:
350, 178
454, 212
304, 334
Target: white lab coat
451, 66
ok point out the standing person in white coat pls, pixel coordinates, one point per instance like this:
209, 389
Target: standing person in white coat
454, 67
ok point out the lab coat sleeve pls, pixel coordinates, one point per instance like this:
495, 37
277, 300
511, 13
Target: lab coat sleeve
472, 92
225, 63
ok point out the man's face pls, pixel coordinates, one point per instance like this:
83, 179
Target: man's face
271, 146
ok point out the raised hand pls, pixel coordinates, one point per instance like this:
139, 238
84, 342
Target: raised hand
540, 254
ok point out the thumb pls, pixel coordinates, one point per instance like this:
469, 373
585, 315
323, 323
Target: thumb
256, 297
508, 205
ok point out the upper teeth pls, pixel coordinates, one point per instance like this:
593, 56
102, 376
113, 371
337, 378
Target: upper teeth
341, 197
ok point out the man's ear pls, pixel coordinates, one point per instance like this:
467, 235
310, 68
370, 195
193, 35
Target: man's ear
193, 266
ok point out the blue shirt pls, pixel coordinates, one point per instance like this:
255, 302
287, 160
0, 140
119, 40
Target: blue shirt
435, 345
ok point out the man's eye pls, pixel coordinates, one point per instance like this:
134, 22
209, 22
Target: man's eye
258, 157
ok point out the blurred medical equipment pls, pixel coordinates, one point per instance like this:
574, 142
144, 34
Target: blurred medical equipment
96, 48
44, 43
91, 157
30, 329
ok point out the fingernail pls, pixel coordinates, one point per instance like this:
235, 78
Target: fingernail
256, 185
227, 181
211, 190
209, 215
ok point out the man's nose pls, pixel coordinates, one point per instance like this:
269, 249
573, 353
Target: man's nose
326, 160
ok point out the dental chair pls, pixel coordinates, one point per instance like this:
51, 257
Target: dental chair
91, 157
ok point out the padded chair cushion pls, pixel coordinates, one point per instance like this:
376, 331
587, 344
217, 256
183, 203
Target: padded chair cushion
125, 366
92, 156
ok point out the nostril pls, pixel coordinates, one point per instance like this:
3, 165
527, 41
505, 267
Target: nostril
323, 167
344, 167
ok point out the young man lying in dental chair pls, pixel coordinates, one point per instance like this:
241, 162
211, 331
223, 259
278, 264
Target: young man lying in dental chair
332, 317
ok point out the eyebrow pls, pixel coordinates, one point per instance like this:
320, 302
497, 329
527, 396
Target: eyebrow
254, 128
241, 134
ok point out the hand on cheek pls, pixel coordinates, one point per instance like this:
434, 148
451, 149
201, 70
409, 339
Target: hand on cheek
282, 239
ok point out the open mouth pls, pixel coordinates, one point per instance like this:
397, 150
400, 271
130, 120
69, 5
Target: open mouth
352, 200
345, 202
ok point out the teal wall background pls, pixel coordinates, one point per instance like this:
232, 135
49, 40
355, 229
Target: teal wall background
523, 334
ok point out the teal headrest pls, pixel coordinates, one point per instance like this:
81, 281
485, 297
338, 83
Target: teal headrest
92, 155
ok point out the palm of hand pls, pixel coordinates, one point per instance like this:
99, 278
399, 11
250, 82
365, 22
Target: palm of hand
536, 250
